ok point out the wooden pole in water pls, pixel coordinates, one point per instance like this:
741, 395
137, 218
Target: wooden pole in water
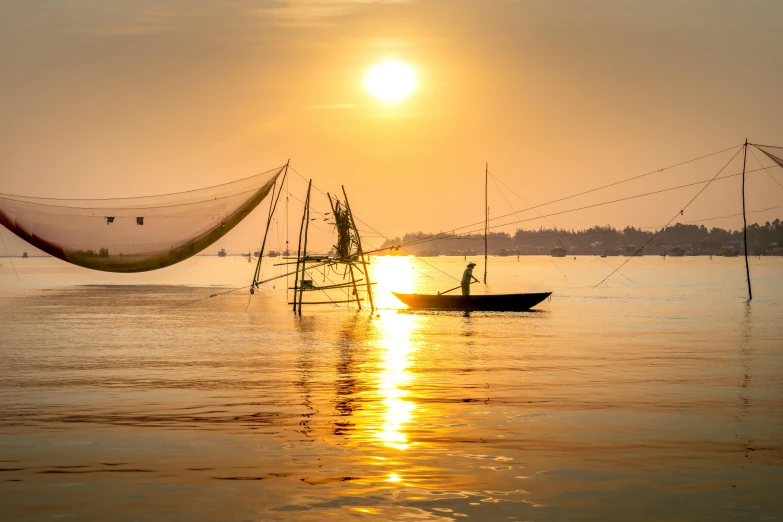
299, 255
361, 254
486, 218
272, 209
304, 248
745, 222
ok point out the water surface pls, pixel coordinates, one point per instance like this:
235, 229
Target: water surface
655, 397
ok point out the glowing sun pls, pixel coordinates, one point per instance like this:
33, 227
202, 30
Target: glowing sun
391, 81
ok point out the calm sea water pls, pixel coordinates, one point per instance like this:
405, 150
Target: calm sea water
656, 397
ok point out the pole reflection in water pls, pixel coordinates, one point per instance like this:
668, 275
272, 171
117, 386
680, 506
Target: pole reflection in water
746, 358
345, 401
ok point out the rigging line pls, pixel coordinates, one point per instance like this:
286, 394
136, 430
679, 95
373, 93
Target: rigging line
114, 209
653, 227
723, 217
558, 268
188, 303
354, 215
8, 254
232, 290
304, 178
376, 249
765, 169
550, 222
639, 176
443, 235
516, 213
681, 212
385, 237
607, 186
313, 209
150, 196
415, 257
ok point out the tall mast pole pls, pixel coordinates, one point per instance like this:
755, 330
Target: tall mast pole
745, 222
486, 218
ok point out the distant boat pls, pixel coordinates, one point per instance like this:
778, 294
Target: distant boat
631, 250
394, 251
24, 254
222, 252
428, 253
273, 253
471, 303
610, 252
676, 252
558, 252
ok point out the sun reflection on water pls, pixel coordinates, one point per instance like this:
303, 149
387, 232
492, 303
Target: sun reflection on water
397, 353
392, 274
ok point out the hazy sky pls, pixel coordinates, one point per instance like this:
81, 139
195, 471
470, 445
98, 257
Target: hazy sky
102, 98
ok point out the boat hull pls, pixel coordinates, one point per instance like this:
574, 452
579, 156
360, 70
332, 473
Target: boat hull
468, 303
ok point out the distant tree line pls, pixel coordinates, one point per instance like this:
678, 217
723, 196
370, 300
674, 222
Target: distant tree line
688, 239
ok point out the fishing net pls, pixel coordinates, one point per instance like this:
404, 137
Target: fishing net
134, 234
774, 153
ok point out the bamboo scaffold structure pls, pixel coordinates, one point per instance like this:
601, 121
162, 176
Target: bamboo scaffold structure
349, 261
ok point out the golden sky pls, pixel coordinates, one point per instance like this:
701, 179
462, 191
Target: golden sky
103, 98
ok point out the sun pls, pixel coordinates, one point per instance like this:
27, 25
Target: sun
391, 81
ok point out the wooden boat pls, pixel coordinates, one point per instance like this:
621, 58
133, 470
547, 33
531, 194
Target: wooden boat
470, 303
475, 303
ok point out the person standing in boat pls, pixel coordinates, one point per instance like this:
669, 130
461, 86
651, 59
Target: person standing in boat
467, 275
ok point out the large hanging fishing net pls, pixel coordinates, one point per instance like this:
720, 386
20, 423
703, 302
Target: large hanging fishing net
134, 234
774, 153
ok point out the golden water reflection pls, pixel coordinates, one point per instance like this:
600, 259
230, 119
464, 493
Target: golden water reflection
397, 353
392, 274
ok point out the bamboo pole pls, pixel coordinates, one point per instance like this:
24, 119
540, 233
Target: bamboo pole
272, 210
304, 249
360, 252
486, 218
299, 252
745, 222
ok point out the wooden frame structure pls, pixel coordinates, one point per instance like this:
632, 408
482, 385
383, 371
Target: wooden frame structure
348, 254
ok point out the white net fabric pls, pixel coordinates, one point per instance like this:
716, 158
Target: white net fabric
774, 153
134, 234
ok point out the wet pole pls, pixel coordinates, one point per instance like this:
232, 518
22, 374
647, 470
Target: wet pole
272, 209
486, 218
299, 254
306, 223
745, 222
